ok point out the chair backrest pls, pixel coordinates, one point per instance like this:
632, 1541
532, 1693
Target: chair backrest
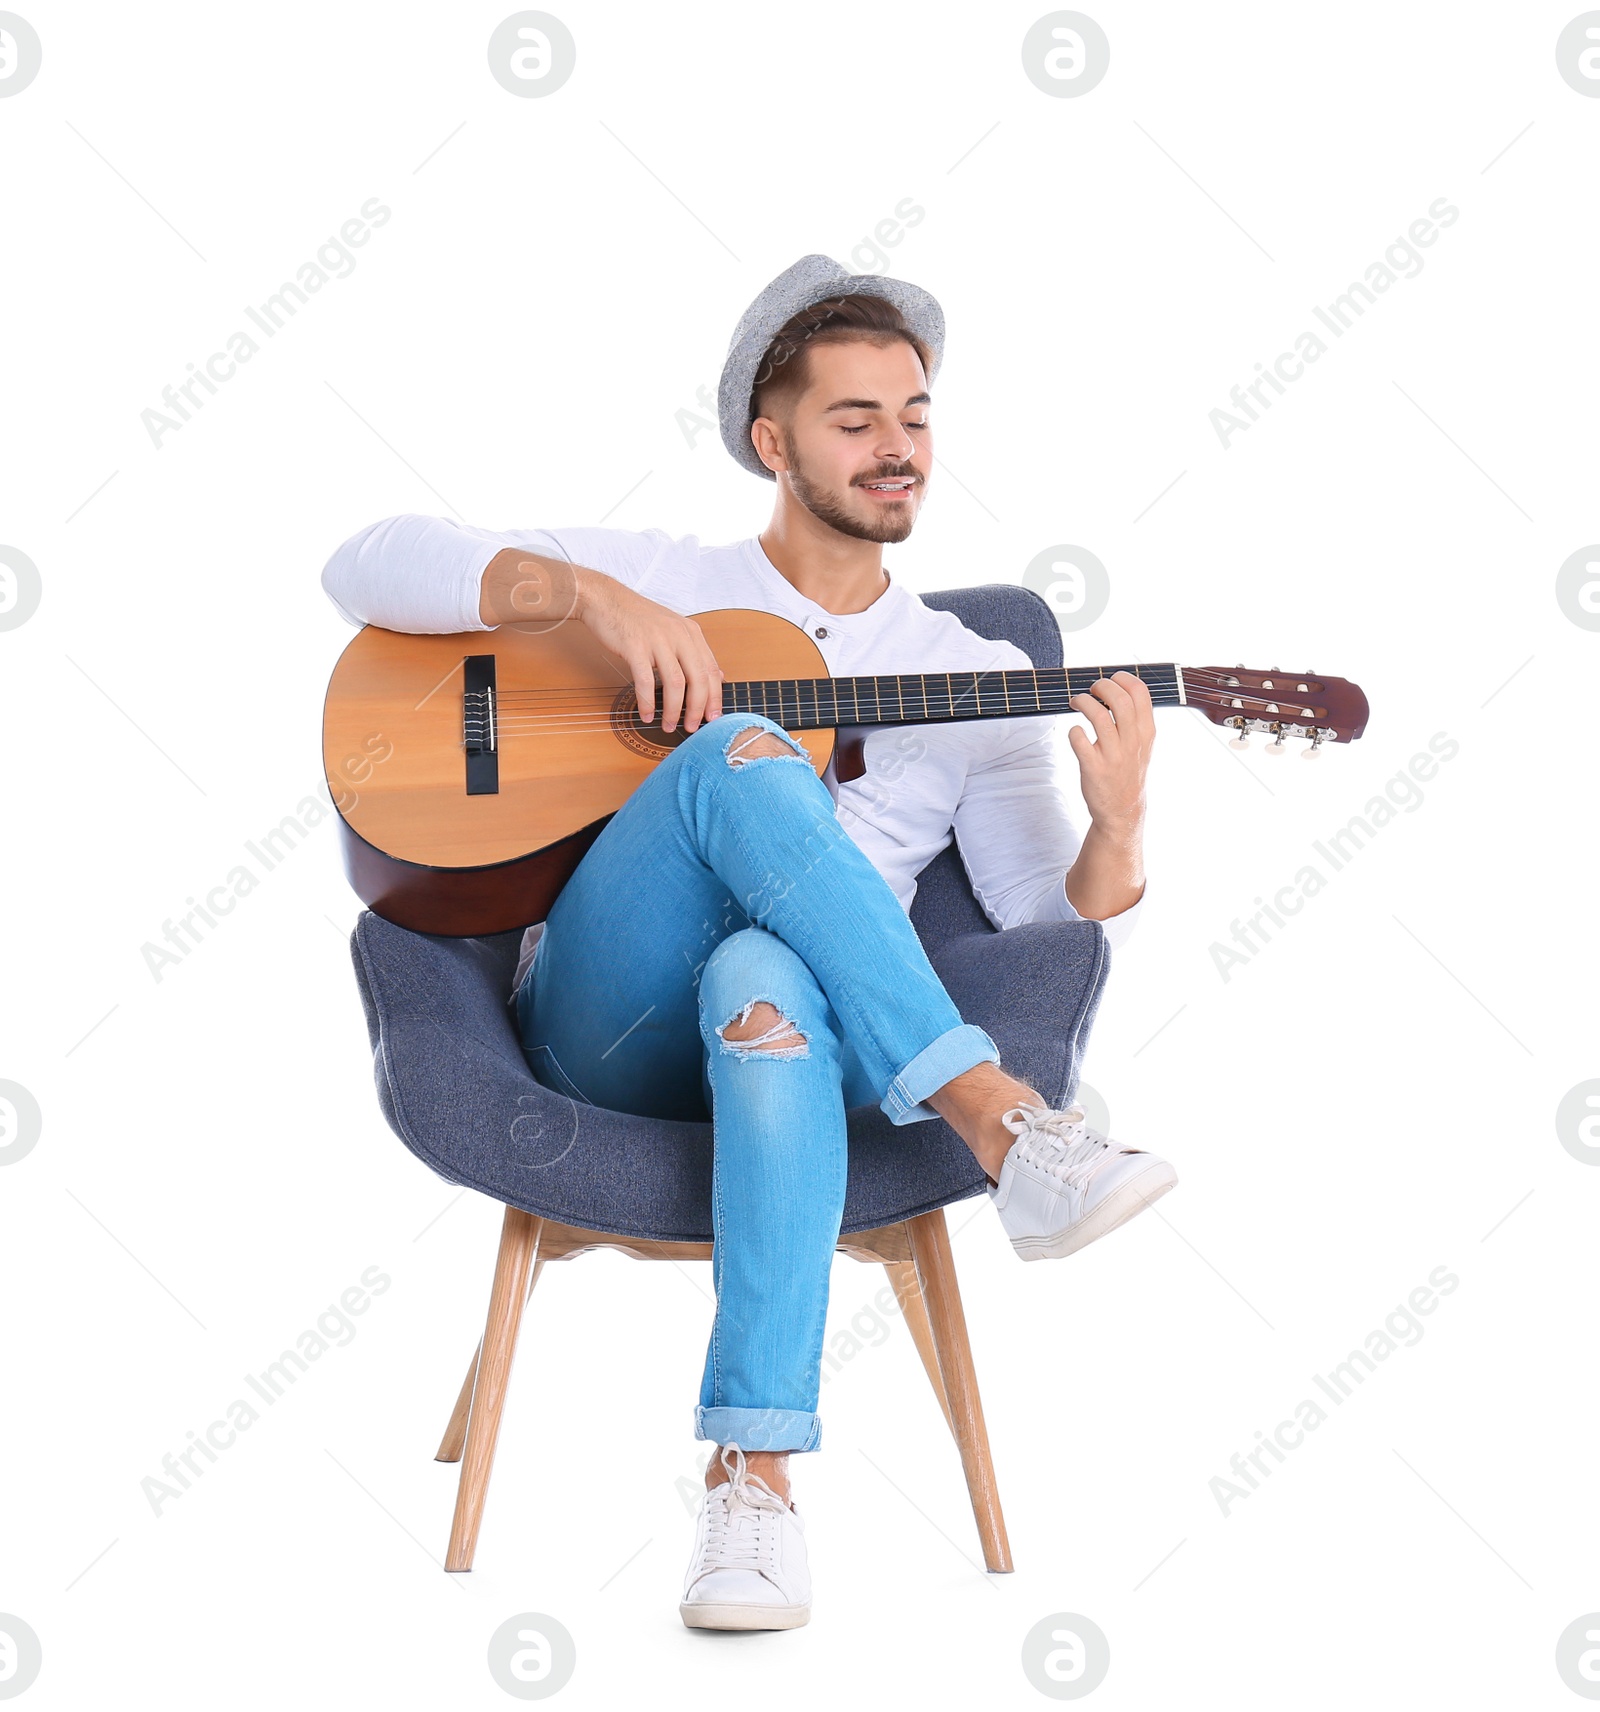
1004, 612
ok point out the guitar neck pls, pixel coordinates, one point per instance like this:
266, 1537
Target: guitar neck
927, 698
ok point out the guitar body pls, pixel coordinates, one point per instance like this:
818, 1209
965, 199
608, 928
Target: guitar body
454, 828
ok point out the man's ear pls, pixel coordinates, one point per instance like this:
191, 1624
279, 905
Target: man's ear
769, 449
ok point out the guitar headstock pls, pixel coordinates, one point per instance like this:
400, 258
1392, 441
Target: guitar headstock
1287, 704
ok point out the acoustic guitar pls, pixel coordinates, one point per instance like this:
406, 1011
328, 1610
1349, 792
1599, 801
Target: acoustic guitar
472, 772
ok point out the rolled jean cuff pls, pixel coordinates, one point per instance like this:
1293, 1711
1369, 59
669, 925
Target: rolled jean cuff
759, 1429
954, 1051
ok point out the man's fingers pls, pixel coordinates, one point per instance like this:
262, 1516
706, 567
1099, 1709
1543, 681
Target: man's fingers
693, 700
713, 682
703, 702
1109, 692
1126, 699
672, 685
696, 695
1097, 713
644, 685
1142, 710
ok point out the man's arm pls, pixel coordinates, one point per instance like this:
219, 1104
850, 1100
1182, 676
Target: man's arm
428, 575
1108, 875
1019, 841
650, 639
1025, 857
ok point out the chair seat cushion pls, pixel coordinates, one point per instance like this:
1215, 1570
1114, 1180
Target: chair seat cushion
455, 1087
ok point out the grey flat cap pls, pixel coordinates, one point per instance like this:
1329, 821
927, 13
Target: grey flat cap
809, 281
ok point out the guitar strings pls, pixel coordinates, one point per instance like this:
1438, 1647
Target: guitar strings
509, 713
525, 711
605, 719
556, 690
522, 698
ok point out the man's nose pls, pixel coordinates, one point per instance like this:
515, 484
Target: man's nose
896, 446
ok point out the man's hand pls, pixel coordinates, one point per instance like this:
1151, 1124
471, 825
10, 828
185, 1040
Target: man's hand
1108, 876
1112, 764
648, 638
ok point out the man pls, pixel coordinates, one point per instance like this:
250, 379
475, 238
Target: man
736, 941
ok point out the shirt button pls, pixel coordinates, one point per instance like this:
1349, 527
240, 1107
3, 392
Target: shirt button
821, 630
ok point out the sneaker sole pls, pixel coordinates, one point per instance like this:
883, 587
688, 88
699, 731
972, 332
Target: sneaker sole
745, 1616
1133, 1197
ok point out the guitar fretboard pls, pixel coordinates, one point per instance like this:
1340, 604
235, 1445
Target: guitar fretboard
930, 697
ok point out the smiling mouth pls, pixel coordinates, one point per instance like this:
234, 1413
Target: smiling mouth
898, 487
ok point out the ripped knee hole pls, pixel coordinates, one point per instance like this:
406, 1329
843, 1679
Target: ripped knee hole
765, 1029
757, 741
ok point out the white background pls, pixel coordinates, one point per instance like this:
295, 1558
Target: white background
1370, 1097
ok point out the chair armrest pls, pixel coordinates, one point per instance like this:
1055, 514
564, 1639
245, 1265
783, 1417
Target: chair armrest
463, 980
1035, 989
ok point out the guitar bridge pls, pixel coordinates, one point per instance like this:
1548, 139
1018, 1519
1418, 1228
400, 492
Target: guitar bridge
479, 725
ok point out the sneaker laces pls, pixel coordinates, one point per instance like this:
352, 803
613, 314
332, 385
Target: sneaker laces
740, 1519
1060, 1142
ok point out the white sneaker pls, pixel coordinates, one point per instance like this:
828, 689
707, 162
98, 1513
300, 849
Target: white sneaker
1064, 1184
749, 1565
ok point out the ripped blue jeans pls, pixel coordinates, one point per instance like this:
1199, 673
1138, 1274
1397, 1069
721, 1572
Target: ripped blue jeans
725, 884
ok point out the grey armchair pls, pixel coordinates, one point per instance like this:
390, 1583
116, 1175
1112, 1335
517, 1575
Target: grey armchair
455, 1087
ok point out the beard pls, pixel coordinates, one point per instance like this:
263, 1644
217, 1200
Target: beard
828, 506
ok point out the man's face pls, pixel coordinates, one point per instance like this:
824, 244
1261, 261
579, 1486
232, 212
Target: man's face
858, 449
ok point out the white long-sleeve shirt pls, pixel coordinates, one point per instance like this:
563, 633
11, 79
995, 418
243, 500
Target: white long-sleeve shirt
989, 782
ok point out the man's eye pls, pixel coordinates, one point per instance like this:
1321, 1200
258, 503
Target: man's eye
861, 428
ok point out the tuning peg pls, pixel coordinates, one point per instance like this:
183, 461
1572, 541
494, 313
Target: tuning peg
1276, 746
1242, 741
1311, 753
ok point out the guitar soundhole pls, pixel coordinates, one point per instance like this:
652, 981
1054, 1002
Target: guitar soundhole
647, 740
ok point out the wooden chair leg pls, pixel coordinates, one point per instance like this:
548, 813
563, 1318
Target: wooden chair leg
455, 1434
903, 1275
936, 1273
519, 1250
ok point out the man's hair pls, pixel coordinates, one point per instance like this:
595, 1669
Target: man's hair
784, 371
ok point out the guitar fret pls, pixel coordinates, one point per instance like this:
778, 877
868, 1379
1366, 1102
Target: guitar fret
934, 697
